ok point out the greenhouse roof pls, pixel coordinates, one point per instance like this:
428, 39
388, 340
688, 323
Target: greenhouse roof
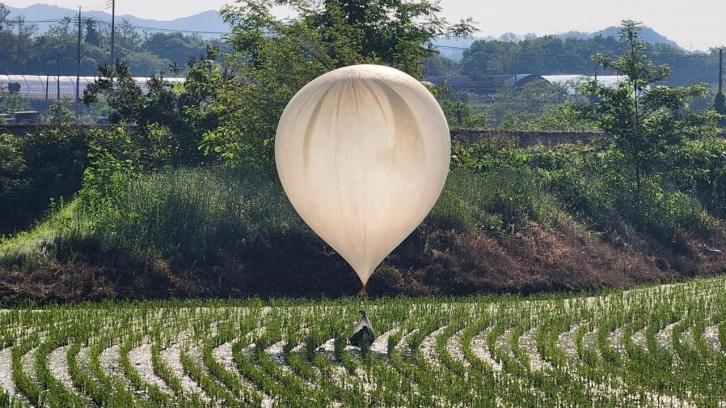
45, 87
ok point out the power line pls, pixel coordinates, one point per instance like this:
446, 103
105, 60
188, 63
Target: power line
160, 29
180, 31
669, 54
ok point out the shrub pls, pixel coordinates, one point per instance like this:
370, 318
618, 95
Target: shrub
191, 214
37, 168
718, 200
664, 213
492, 201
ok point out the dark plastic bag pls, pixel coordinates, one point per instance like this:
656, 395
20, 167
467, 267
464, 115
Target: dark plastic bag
363, 333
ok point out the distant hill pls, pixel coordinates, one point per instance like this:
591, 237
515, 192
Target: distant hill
208, 24
647, 34
453, 48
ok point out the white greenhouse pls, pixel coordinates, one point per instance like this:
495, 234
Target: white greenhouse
48, 88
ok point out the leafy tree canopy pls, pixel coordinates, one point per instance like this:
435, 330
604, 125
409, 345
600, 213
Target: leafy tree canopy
175, 116
276, 57
646, 120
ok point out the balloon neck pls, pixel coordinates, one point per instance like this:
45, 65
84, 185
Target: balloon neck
362, 295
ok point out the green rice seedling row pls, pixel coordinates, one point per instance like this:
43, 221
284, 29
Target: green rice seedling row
651, 346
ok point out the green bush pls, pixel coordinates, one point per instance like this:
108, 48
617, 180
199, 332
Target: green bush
190, 214
584, 180
451, 212
664, 213
517, 195
718, 197
590, 183
36, 168
13, 180
493, 202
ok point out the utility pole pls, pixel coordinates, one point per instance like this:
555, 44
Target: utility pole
20, 21
78, 58
113, 28
720, 101
720, 70
57, 77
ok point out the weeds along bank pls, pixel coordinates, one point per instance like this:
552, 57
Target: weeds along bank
650, 346
510, 219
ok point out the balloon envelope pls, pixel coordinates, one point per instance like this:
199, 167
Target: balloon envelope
363, 153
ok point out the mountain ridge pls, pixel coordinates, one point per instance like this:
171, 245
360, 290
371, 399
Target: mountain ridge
209, 24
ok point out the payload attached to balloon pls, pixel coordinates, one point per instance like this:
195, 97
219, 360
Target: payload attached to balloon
363, 153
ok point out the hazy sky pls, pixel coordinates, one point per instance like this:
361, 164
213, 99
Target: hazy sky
693, 24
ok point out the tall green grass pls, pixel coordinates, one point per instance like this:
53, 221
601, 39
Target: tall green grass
192, 213
198, 215
43, 243
494, 202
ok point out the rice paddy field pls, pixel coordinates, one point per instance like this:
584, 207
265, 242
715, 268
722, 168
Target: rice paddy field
662, 346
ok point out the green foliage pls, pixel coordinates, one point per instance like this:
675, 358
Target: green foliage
516, 194
460, 115
550, 55
60, 114
524, 103
500, 200
275, 58
668, 212
718, 196
563, 117
123, 96
194, 215
54, 164
502, 187
171, 118
644, 120
457, 107
534, 106
113, 160
36, 168
24, 48
488, 154
10, 99
719, 105
616, 348
13, 180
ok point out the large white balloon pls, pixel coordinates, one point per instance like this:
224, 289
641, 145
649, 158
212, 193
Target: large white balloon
363, 153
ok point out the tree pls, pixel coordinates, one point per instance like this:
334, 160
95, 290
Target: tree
116, 85
11, 100
60, 114
645, 120
145, 64
23, 40
4, 13
519, 104
174, 46
170, 118
55, 50
93, 36
276, 57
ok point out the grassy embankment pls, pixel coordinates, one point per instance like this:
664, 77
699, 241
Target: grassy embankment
509, 219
